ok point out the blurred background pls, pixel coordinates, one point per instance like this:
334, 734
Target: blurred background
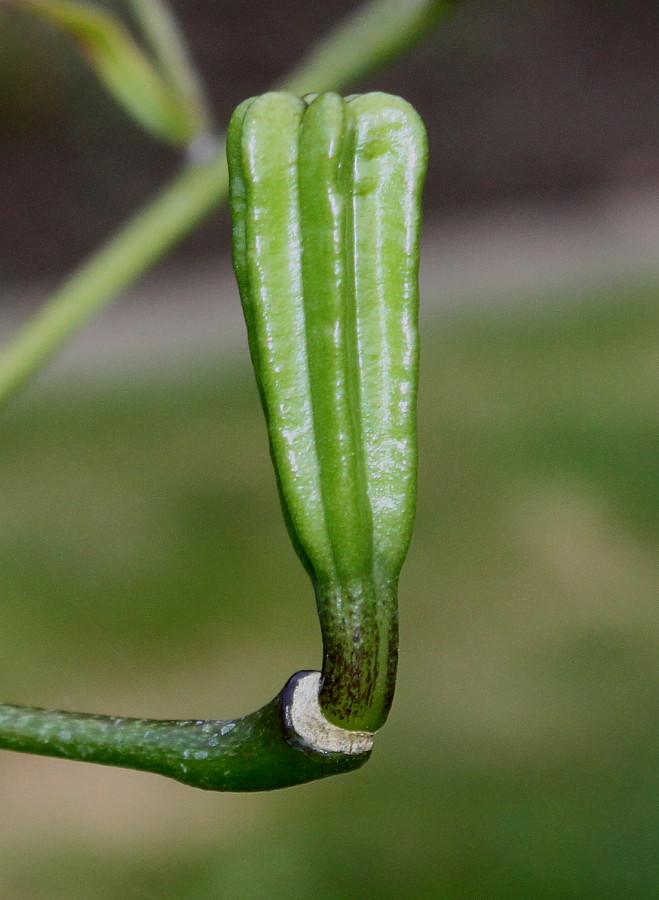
144, 566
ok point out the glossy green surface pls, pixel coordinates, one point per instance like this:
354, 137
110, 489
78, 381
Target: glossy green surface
325, 200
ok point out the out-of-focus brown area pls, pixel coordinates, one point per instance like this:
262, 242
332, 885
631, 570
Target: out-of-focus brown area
542, 100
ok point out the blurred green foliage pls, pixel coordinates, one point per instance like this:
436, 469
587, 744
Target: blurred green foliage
145, 570
136, 81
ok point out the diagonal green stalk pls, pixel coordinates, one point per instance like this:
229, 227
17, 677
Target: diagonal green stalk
377, 32
192, 194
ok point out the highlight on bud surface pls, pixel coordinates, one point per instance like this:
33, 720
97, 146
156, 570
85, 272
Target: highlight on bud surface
325, 199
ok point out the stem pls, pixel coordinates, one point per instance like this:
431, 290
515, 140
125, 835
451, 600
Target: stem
167, 42
360, 653
191, 195
377, 32
361, 43
273, 747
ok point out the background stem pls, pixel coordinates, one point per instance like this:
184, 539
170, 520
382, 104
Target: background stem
169, 47
376, 33
192, 194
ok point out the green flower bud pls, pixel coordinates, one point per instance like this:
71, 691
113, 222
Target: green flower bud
325, 199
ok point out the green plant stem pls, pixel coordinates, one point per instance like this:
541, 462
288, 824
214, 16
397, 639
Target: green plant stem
191, 195
360, 652
259, 752
364, 41
377, 32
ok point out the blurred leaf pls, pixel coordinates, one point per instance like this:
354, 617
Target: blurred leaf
121, 65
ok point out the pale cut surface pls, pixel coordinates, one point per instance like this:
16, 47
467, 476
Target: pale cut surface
312, 726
